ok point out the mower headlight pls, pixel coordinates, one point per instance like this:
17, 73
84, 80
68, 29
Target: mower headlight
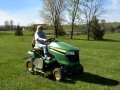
70, 53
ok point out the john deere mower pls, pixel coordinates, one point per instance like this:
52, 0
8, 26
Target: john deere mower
64, 60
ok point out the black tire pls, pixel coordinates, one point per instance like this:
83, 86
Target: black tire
57, 74
79, 70
30, 66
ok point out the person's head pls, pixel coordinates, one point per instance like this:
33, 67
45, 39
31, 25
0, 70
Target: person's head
40, 28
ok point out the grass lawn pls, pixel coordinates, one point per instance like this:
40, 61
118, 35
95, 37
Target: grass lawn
101, 61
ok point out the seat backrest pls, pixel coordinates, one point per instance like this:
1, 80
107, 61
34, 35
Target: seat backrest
33, 42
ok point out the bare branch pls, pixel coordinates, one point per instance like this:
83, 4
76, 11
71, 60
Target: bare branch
52, 12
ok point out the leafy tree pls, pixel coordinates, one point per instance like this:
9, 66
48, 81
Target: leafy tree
96, 32
18, 31
61, 31
112, 29
103, 21
118, 28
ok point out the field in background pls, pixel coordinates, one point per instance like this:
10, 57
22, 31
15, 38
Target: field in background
101, 61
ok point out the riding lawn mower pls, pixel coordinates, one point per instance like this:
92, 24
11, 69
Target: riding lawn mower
64, 60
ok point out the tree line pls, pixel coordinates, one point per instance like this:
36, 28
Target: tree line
54, 12
9, 25
83, 13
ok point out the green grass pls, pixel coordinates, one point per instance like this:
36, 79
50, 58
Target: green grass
101, 61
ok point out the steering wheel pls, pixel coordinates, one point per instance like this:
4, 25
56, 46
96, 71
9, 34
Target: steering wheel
50, 40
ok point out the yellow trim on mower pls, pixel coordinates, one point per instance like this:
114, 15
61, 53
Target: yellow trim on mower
57, 49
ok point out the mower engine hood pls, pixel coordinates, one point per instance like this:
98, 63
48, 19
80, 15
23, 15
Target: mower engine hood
65, 54
61, 46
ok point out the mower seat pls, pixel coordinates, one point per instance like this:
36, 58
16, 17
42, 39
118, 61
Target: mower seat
37, 48
38, 51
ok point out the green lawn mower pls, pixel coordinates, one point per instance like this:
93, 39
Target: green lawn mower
64, 60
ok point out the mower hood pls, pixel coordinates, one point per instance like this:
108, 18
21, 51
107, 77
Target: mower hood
61, 46
64, 53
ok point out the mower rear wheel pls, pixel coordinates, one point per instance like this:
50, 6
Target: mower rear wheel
30, 66
58, 75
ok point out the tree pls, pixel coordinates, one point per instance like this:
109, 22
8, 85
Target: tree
96, 32
18, 31
32, 28
73, 6
118, 28
91, 9
52, 13
11, 24
103, 21
61, 31
7, 26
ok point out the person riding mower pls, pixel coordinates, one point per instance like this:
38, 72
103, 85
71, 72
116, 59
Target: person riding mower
64, 59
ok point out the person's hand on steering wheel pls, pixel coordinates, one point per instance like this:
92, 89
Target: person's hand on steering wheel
45, 40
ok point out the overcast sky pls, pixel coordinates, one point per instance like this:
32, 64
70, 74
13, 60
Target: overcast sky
25, 12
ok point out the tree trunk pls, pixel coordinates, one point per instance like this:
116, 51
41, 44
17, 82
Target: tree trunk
88, 34
88, 30
56, 29
72, 27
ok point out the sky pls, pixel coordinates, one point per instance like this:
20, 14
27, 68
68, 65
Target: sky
113, 13
25, 12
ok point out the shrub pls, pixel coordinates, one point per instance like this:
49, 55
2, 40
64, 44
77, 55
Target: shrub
18, 31
61, 31
96, 32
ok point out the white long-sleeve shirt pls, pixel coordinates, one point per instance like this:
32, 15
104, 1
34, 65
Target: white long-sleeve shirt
39, 35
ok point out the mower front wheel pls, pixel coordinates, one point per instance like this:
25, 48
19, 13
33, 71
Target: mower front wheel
30, 66
58, 75
79, 70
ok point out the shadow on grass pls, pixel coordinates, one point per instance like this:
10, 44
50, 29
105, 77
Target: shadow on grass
110, 40
92, 78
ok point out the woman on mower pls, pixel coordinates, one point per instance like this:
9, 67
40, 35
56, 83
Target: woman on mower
40, 39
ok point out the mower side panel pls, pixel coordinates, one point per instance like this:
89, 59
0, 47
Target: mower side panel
38, 63
35, 53
60, 57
